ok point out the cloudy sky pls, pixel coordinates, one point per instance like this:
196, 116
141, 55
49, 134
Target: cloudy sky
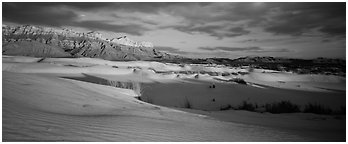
232, 30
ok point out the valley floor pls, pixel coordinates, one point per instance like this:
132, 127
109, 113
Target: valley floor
41, 103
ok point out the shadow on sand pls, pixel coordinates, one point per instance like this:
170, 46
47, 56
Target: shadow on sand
101, 81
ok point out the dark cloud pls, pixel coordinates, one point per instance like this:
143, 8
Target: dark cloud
333, 29
203, 29
88, 6
326, 41
272, 50
212, 12
170, 50
49, 14
240, 30
249, 40
36, 13
146, 7
213, 30
277, 18
104, 25
231, 48
298, 18
243, 49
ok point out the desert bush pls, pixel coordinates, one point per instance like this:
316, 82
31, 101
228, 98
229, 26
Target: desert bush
243, 73
226, 107
149, 100
341, 111
282, 107
213, 73
233, 73
317, 109
42, 59
251, 68
196, 76
247, 106
183, 72
225, 74
138, 98
202, 72
238, 80
187, 103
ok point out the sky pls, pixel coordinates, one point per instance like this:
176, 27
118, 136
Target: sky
200, 30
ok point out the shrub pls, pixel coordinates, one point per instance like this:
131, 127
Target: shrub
184, 72
147, 99
238, 80
317, 109
243, 73
341, 111
247, 106
196, 76
42, 59
233, 73
282, 107
187, 103
213, 73
202, 72
226, 107
225, 74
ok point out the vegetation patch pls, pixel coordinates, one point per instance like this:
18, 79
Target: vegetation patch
187, 103
247, 106
317, 109
282, 107
238, 80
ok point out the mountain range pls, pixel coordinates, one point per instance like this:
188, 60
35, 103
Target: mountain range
39, 41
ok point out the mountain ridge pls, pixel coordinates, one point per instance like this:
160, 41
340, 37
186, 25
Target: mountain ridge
30, 40
38, 41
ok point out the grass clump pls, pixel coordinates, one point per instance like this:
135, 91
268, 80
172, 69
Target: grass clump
187, 103
247, 106
238, 80
317, 109
282, 107
226, 107
341, 111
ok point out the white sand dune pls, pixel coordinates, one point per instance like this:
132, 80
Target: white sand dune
53, 68
307, 82
286, 77
41, 103
22, 59
40, 108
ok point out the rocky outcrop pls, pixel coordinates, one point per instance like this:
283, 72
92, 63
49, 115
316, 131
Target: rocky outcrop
55, 42
124, 40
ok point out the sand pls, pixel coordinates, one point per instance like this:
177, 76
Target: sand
202, 97
67, 110
42, 102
